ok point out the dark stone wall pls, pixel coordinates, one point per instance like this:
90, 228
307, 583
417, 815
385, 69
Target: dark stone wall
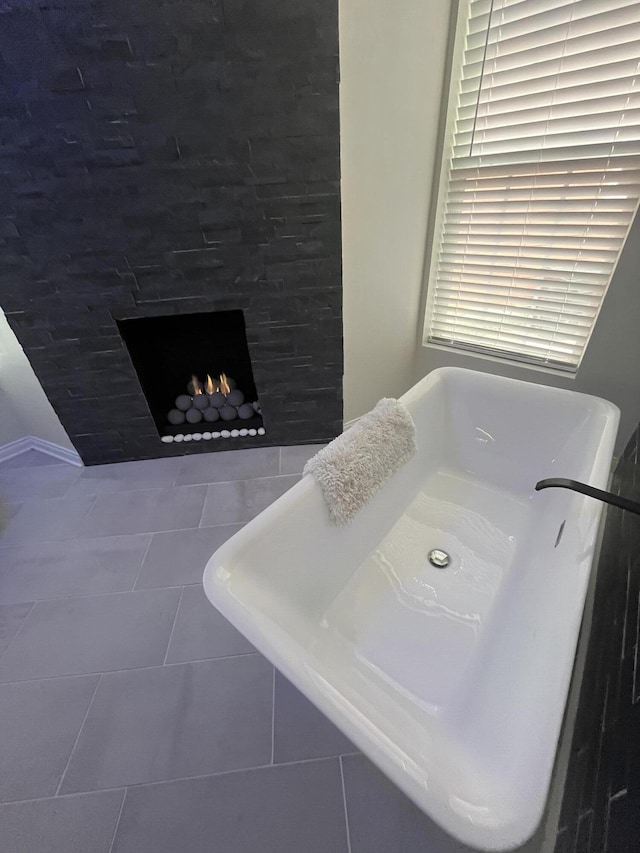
601, 806
158, 157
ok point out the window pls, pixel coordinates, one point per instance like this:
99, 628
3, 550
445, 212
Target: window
541, 176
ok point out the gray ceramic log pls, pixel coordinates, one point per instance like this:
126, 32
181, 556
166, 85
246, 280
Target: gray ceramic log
201, 401
194, 416
228, 413
183, 402
235, 398
175, 417
246, 411
211, 414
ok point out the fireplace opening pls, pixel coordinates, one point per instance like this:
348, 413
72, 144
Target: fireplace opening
195, 372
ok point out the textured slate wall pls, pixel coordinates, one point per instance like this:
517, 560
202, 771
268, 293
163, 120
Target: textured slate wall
601, 806
157, 157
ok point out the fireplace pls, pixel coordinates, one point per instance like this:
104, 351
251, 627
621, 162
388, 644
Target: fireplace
196, 375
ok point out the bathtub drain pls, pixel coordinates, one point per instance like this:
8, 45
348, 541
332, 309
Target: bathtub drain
439, 559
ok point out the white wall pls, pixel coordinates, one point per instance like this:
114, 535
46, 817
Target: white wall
24, 407
392, 71
392, 57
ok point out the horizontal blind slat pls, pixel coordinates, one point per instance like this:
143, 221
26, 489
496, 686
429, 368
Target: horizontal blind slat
477, 193
487, 296
565, 84
566, 365
514, 340
536, 337
586, 247
539, 69
525, 287
533, 325
567, 233
468, 308
569, 259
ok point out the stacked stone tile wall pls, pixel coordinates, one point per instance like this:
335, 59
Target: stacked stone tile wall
158, 157
601, 806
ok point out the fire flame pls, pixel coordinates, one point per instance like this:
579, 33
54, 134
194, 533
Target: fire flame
195, 386
224, 385
211, 386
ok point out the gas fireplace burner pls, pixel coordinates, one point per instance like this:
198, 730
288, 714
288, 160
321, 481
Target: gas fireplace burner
196, 374
216, 406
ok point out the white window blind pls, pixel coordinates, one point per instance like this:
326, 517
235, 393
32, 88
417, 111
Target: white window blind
541, 177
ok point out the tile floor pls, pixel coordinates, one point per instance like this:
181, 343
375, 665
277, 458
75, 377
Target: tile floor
133, 717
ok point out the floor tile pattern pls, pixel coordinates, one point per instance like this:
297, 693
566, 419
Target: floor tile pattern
134, 716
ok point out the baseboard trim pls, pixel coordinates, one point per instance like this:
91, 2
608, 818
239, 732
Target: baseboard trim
32, 442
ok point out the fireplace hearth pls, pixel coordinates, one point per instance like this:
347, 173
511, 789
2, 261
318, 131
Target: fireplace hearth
196, 375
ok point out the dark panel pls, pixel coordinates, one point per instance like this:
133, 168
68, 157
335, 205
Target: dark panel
601, 805
160, 157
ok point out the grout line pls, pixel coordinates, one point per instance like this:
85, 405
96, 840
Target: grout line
93, 594
131, 669
144, 557
204, 504
75, 480
117, 826
22, 624
75, 743
173, 485
34, 543
273, 717
280, 460
173, 628
178, 779
26, 542
344, 802
63, 796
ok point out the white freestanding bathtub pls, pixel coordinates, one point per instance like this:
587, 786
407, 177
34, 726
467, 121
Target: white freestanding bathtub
453, 681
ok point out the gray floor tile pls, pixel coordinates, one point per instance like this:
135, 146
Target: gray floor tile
77, 567
83, 823
126, 476
233, 503
287, 809
292, 459
96, 633
302, 731
40, 722
202, 632
229, 465
47, 481
383, 820
44, 520
144, 511
179, 557
169, 722
29, 459
11, 618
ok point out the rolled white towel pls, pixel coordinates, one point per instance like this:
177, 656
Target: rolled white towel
356, 464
